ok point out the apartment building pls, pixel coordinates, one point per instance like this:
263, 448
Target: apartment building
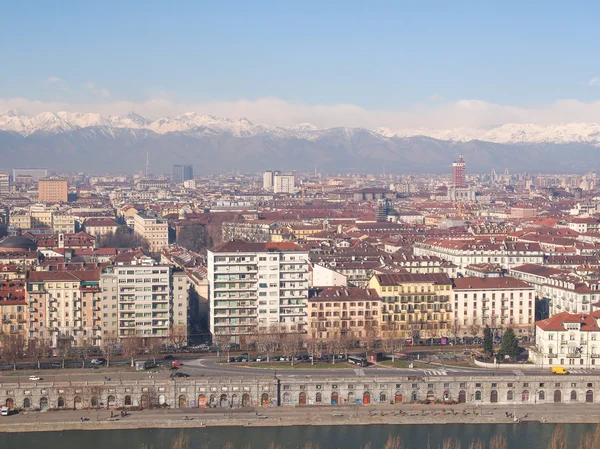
497, 302
255, 287
154, 230
463, 252
64, 304
568, 339
100, 226
284, 183
144, 300
343, 312
42, 217
416, 305
13, 308
53, 190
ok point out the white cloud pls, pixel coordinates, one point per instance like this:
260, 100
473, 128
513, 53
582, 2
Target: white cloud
54, 79
467, 113
96, 90
595, 81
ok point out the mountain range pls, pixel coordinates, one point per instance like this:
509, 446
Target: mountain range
66, 141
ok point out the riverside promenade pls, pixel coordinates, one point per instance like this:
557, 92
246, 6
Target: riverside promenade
35, 421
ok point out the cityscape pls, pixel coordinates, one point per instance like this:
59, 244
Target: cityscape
277, 225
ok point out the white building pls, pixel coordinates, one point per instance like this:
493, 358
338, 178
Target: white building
326, 277
495, 302
268, 179
284, 183
256, 287
568, 339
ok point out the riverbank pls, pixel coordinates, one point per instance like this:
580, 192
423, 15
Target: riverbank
296, 416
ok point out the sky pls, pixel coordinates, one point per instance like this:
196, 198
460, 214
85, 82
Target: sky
398, 64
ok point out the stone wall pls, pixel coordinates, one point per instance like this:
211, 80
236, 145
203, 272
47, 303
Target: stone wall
288, 391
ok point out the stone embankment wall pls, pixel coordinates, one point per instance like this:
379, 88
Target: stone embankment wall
289, 391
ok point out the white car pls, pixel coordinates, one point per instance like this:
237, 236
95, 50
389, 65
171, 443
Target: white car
35, 378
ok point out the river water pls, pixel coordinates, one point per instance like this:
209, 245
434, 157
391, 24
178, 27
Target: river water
519, 436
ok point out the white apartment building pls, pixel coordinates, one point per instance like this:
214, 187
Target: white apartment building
43, 217
268, 179
284, 183
144, 300
495, 302
570, 293
571, 340
465, 252
154, 230
256, 287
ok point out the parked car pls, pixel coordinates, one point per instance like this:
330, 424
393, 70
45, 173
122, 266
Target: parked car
180, 375
4, 411
35, 378
261, 358
99, 361
168, 357
176, 364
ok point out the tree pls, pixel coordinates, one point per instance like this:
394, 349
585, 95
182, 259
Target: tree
488, 342
510, 344
122, 238
474, 329
178, 335
131, 346
290, 343
37, 348
109, 348
390, 340
154, 346
13, 346
193, 237
456, 328
64, 344
83, 351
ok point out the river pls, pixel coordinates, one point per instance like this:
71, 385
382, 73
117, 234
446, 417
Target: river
530, 435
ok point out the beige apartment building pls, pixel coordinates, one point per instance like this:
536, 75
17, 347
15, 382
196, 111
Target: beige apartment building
41, 217
338, 312
416, 305
53, 190
154, 230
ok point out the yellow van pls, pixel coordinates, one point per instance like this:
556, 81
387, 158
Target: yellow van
559, 370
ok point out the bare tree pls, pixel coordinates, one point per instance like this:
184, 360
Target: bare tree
109, 348
474, 329
290, 343
154, 346
131, 347
38, 348
83, 351
455, 329
390, 340
13, 346
178, 336
64, 345
266, 341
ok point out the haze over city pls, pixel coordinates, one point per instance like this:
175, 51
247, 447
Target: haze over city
299, 225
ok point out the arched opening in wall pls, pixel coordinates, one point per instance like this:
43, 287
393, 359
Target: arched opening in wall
478, 395
245, 400
525, 396
446, 395
318, 398
573, 395
44, 403
77, 403
589, 396
182, 401
26, 403
413, 396
351, 398
10, 403
235, 400
382, 397
366, 397
557, 396
264, 399
111, 401
302, 398
510, 395
542, 395
212, 400
494, 396
94, 402
398, 398
462, 397
430, 396
145, 401
61, 402
224, 401
335, 399
162, 400
127, 400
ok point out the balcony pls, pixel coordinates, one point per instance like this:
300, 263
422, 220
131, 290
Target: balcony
574, 355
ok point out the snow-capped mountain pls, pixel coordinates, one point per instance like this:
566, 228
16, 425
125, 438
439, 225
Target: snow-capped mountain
206, 125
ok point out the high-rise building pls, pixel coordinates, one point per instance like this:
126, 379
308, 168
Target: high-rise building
458, 173
182, 173
257, 288
53, 190
268, 179
284, 183
4, 184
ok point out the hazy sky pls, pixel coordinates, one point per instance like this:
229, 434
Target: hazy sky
396, 64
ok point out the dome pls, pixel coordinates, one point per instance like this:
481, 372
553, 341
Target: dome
18, 242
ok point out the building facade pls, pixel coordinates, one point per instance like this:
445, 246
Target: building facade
256, 287
182, 173
53, 190
154, 230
